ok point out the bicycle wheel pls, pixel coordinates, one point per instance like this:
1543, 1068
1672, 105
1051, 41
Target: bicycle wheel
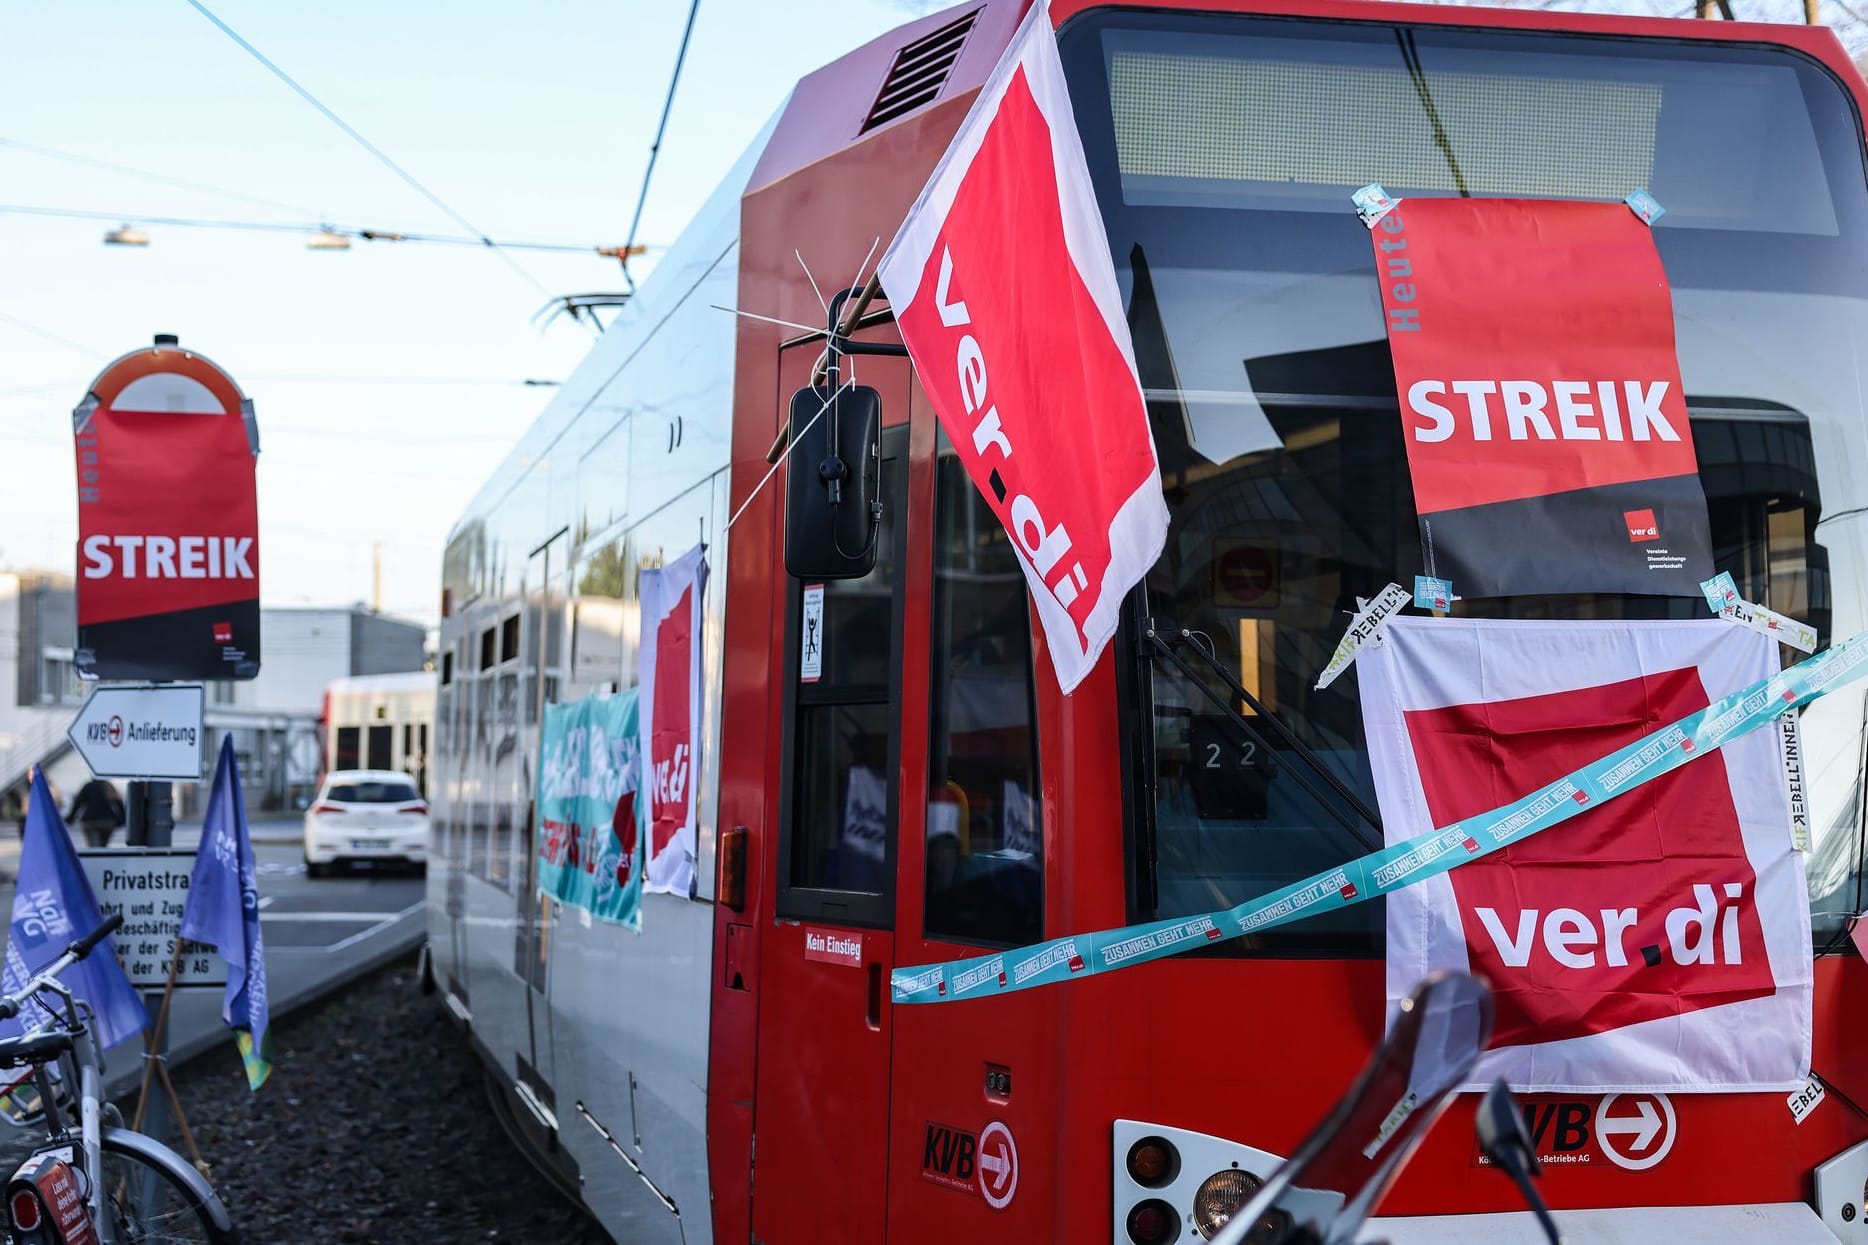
154, 1198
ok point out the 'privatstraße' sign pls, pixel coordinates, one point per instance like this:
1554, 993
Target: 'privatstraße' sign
150, 888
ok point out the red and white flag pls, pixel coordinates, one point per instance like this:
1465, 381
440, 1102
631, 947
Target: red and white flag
1006, 297
669, 700
1658, 942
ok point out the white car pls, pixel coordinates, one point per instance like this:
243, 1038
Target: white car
365, 814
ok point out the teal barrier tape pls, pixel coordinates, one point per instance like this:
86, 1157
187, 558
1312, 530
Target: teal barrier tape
1425, 856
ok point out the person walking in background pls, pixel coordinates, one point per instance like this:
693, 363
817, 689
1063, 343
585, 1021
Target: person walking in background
97, 809
25, 803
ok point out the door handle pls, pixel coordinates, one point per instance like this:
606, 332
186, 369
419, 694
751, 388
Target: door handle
872, 1011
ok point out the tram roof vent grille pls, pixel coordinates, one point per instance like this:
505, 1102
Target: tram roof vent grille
919, 72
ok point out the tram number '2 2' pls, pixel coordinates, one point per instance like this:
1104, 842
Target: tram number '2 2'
1216, 754
950, 1157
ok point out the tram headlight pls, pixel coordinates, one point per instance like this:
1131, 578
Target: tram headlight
1153, 1162
1153, 1222
1221, 1196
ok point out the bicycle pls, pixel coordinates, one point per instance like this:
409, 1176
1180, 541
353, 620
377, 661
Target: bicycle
132, 1189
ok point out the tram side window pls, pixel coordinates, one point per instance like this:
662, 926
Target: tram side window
985, 849
840, 838
348, 738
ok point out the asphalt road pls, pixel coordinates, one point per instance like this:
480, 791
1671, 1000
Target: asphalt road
319, 936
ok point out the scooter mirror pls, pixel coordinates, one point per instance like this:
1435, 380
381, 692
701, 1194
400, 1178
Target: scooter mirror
1338, 1175
1502, 1138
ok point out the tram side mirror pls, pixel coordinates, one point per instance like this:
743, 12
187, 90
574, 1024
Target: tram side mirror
832, 512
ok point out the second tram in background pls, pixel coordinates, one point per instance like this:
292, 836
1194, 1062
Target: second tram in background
379, 722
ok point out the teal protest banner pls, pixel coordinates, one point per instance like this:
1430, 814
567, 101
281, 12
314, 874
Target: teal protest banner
1379, 872
590, 829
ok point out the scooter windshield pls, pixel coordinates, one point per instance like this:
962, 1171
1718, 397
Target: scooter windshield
1339, 1174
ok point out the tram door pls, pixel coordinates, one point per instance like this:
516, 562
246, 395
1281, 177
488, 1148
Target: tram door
540, 661
820, 1164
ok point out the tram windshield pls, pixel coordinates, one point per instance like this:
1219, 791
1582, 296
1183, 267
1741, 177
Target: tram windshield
1224, 150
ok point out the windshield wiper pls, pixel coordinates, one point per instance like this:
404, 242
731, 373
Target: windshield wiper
1303, 752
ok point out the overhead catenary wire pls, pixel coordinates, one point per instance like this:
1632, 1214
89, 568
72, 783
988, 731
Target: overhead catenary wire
381, 156
275, 226
73, 157
27, 326
642, 196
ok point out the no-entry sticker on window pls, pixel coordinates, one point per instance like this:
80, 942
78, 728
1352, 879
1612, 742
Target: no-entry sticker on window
1541, 404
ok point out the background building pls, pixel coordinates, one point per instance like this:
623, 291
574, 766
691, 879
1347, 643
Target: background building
273, 719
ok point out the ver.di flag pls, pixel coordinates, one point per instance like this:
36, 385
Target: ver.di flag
223, 912
53, 908
1006, 297
669, 684
590, 835
1659, 942
1541, 405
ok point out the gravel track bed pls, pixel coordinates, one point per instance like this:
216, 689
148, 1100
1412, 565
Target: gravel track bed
373, 1128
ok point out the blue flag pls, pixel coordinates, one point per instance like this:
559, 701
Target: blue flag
223, 912
53, 908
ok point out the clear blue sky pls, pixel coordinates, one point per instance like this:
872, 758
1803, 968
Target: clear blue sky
533, 120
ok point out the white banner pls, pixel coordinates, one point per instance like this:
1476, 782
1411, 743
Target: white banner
669, 683
1660, 942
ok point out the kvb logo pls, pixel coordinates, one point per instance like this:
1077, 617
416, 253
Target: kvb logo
1634, 1131
950, 1157
984, 1164
1636, 909
998, 1166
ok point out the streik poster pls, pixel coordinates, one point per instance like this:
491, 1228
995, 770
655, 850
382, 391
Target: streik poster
1541, 406
589, 821
1657, 942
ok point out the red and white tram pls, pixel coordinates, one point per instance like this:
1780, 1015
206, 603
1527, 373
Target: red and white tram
931, 793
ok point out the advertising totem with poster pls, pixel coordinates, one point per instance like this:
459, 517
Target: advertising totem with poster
168, 521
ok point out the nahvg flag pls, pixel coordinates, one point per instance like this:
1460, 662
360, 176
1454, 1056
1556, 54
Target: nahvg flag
1658, 942
1546, 430
669, 683
168, 522
590, 833
53, 907
1006, 297
223, 912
